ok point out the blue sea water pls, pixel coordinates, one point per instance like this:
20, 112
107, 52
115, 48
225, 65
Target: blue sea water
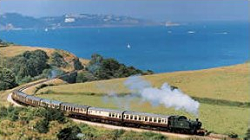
160, 48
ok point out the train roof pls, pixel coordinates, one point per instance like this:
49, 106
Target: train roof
75, 105
106, 110
51, 101
146, 114
22, 94
33, 98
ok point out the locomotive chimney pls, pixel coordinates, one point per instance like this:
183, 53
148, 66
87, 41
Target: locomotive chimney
197, 119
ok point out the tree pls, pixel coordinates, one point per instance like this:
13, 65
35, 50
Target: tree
77, 64
69, 133
58, 60
7, 79
111, 68
84, 77
29, 64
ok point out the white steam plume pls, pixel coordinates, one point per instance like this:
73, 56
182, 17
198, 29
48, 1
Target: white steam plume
165, 95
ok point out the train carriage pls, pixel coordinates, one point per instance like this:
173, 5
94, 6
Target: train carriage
105, 115
33, 101
74, 110
139, 119
50, 103
19, 97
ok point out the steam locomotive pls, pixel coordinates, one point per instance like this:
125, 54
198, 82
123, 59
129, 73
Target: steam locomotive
177, 124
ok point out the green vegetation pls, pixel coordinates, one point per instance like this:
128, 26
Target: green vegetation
58, 60
31, 123
29, 63
69, 133
85, 76
110, 68
225, 83
7, 79
33, 65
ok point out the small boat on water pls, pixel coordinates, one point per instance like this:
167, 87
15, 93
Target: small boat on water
128, 46
191, 32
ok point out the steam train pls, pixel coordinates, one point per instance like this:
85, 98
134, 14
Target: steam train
177, 124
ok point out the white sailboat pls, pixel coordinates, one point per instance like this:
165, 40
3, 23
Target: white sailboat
128, 46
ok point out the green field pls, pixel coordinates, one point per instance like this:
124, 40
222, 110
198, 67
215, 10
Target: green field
225, 83
220, 91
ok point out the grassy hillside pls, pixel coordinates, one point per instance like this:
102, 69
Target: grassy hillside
11, 51
212, 86
225, 83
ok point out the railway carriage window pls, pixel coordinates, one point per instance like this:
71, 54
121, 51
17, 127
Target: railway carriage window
150, 119
109, 114
131, 117
113, 115
135, 117
139, 118
155, 120
120, 116
159, 120
146, 118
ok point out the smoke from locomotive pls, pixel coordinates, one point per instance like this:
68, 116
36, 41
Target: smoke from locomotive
165, 95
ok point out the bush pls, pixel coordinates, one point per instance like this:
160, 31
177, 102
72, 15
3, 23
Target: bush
58, 60
85, 76
111, 68
77, 64
233, 135
3, 112
42, 126
70, 78
69, 133
29, 63
7, 79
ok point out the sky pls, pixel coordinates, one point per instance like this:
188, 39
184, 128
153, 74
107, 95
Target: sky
158, 10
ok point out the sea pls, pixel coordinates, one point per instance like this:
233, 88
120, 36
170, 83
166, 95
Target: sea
191, 46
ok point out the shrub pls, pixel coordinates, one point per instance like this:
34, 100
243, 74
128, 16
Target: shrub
58, 60
69, 133
3, 112
111, 68
77, 64
233, 135
29, 63
84, 77
42, 126
7, 79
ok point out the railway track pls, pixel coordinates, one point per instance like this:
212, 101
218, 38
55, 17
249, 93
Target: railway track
109, 126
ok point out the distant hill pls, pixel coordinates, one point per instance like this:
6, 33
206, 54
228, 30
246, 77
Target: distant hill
15, 21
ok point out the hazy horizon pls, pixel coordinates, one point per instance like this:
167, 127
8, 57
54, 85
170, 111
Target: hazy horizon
170, 10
